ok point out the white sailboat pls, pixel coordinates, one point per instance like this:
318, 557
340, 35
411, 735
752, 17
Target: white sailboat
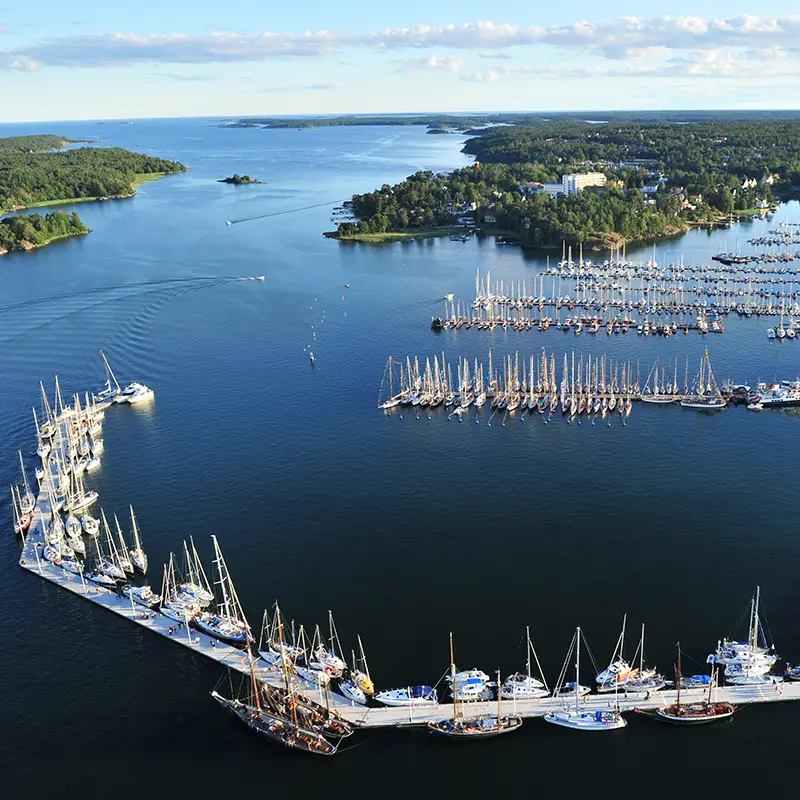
123, 558
111, 389
575, 718
109, 564
175, 604
137, 554
227, 623
195, 585
524, 686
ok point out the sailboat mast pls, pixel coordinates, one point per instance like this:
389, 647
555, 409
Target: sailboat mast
453, 674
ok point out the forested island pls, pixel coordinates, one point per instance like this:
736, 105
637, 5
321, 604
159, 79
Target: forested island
549, 181
238, 180
34, 171
467, 122
29, 231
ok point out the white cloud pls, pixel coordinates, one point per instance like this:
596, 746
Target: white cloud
482, 77
622, 39
309, 87
444, 63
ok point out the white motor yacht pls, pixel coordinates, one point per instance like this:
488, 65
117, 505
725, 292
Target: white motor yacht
410, 696
352, 692
313, 674
522, 687
143, 595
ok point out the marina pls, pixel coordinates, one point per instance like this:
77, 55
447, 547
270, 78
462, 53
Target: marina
592, 388
279, 680
697, 501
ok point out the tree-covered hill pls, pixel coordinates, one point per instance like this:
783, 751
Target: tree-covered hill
29, 178
26, 231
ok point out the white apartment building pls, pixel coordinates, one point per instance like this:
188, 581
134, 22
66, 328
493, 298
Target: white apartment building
574, 183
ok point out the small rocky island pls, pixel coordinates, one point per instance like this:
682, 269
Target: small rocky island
238, 180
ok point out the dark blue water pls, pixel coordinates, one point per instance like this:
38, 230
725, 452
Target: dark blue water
406, 529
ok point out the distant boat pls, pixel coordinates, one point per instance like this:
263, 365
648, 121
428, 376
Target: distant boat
311, 357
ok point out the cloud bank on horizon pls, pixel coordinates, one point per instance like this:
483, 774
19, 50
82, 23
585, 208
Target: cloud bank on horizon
749, 50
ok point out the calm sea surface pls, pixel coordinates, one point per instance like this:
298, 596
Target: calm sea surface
407, 529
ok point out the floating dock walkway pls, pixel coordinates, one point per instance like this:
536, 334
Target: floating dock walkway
31, 559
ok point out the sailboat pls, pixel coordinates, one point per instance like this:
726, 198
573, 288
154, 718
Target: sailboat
483, 726
577, 719
619, 671
693, 713
409, 696
641, 678
329, 656
748, 663
195, 586
22, 521
361, 675
123, 559
175, 603
707, 394
350, 688
282, 729
111, 390
525, 687
271, 647
137, 554
26, 500
109, 564
228, 623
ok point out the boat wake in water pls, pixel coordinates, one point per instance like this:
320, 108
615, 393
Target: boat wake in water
279, 213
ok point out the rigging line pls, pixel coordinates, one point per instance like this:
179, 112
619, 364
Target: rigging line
279, 213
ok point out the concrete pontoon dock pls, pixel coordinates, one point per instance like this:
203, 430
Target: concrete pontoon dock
360, 716
32, 560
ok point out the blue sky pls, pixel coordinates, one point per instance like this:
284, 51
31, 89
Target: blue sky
96, 60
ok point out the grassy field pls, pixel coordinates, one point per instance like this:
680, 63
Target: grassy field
146, 177
394, 236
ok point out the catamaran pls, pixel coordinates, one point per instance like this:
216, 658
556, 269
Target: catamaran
228, 623
576, 718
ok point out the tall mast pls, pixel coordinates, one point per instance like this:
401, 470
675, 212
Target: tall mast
577, 665
453, 674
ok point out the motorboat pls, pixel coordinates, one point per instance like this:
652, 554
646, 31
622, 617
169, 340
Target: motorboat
331, 663
522, 687
614, 676
142, 394
352, 691
226, 629
143, 595
90, 525
310, 674
101, 579
409, 696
